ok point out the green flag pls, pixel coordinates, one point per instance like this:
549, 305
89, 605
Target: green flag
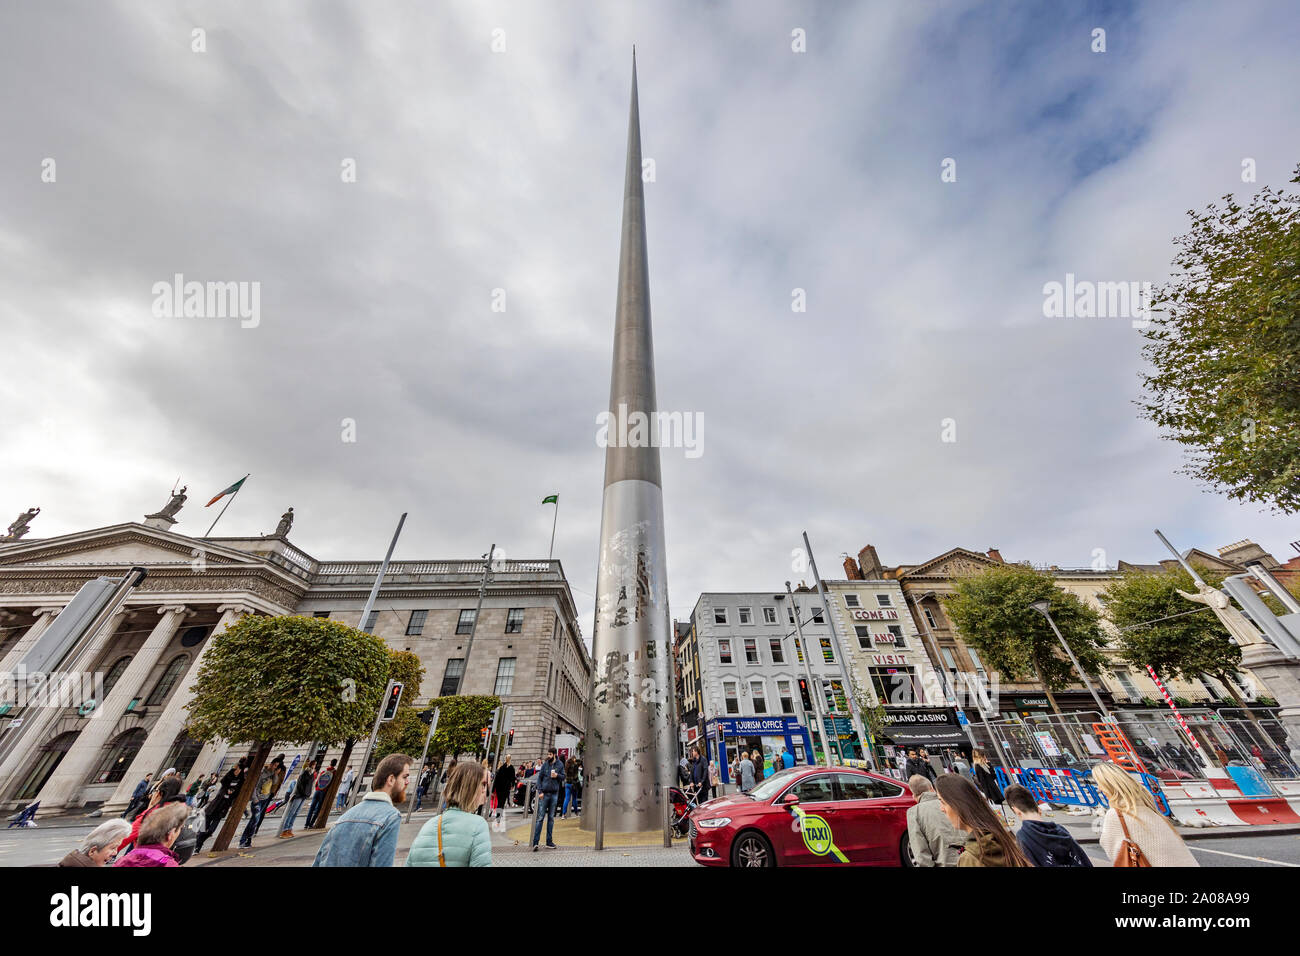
552, 500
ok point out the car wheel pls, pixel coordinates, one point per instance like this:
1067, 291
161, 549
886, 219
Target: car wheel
752, 849
905, 853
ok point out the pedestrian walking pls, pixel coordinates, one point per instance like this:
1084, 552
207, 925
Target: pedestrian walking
366, 835
1135, 832
345, 788
986, 780
138, 797
931, 837
268, 782
457, 836
715, 778
532, 786
503, 786
757, 759
157, 836
683, 771
162, 792
959, 764
549, 779
699, 775
323, 781
99, 845
301, 791
989, 842
746, 772
917, 766
571, 786
787, 759
1044, 842
217, 808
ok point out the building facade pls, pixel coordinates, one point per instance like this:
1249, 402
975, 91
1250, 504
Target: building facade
131, 719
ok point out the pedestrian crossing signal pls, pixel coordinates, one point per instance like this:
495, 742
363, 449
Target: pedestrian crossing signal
394, 697
804, 695
510, 737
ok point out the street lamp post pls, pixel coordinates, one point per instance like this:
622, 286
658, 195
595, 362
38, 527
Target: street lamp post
1043, 607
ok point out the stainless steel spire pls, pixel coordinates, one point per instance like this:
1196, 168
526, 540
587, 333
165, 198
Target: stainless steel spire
630, 748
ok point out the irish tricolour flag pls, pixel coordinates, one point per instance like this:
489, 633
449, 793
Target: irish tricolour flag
229, 491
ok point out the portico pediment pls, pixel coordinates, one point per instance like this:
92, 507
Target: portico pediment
956, 563
130, 544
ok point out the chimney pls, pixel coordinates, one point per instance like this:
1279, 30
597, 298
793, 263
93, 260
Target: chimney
996, 555
869, 562
851, 569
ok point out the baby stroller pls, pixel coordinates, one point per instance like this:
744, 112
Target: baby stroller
683, 801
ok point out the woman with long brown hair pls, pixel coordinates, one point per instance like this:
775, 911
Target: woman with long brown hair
990, 843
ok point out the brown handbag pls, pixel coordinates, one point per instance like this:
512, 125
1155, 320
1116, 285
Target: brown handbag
442, 860
1130, 854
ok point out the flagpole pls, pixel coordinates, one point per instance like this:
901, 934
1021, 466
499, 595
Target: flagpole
553, 520
227, 505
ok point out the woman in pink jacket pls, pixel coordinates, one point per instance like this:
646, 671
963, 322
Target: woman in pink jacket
157, 834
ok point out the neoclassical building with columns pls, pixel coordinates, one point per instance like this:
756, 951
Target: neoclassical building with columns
527, 647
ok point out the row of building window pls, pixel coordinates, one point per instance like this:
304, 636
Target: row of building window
464, 624
776, 650
745, 615
451, 677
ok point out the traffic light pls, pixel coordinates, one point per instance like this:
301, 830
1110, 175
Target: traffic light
482, 735
510, 738
394, 697
804, 696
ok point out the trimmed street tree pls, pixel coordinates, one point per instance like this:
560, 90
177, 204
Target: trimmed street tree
460, 724
290, 679
1224, 343
1186, 645
991, 610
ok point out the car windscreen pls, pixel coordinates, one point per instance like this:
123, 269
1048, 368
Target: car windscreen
772, 785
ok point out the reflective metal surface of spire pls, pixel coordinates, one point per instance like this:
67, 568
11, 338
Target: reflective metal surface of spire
631, 741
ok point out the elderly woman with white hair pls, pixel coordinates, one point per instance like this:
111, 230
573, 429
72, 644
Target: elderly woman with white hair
100, 844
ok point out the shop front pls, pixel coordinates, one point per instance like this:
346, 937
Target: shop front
911, 728
728, 736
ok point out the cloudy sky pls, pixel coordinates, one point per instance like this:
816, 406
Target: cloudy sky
480, 169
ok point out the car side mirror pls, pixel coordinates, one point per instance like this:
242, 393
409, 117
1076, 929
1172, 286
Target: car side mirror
790, 800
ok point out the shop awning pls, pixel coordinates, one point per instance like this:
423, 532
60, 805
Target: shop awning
929, 735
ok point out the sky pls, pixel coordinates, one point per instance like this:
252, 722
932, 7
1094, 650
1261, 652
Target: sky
454, 298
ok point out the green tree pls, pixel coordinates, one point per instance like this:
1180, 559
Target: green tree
1161, 628
460, 723
293, 679
1224, 344
991, 610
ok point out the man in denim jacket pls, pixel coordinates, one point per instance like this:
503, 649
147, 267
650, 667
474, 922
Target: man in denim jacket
367, 834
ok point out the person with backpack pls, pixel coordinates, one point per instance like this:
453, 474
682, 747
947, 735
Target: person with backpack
1135, 832
301, 791
323, 781
268, 782
1044, 842
459, 835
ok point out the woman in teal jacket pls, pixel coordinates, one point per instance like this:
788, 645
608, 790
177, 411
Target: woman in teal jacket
458, 836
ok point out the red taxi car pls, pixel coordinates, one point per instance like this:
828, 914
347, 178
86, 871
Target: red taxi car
806, 816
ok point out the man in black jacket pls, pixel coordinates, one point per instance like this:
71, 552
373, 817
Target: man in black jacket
300, 793
699, 775
549, 781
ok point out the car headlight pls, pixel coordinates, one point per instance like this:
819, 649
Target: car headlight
712, 823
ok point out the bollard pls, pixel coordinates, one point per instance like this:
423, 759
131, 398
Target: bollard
668, 820
600, 819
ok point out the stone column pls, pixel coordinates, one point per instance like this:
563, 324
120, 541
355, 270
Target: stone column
61, 790
37, 720
44, 618
173, 718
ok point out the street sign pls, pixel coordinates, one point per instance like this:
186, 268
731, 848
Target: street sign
962, 719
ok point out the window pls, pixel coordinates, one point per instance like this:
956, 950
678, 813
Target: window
515, 620
505, 676
751, 651
1209, 688
1125, 680
769, 615
899, 640
975, 659
929, 618
114, 673
787, 702
883, 600
170, 676
120, 756
894, 685
817, 616
724, 651
851, 600
719, 615
798, 650
778, 652
855, 787
324, 614
789, 613
828, 652
758, 692
415, 626
815, 789
948, 659
465, 624
371, 621
836, 702
451, 677
864, 637
729, 690
746, 615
